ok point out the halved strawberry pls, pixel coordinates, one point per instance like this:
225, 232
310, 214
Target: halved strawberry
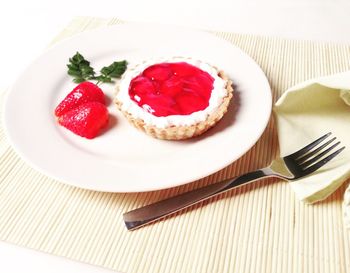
82, 93
85, 120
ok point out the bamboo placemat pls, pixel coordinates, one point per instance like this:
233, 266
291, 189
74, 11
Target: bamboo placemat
256, 228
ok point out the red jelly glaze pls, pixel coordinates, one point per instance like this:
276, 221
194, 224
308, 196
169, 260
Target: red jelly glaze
166, 89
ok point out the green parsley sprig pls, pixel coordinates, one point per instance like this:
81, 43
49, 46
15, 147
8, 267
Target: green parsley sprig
79, 68
115, 70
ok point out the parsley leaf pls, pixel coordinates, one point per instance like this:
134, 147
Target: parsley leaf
80, 69
115, 70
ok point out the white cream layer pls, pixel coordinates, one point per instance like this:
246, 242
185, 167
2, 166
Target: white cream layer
218, 93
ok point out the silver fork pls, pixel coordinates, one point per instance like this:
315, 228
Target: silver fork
294, 166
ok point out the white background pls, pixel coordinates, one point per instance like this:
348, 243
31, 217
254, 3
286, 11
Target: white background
26, 27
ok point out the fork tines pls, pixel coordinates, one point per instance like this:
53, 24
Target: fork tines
317, 153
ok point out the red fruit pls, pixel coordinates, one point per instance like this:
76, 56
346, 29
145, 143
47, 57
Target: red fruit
82, 93
190, 102
172, 86
159, 105
159, 72
85, 120
141, 85
183, 69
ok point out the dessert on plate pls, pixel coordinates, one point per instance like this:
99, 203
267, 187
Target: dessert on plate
175, 98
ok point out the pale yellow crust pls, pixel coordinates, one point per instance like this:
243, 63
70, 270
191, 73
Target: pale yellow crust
183, 132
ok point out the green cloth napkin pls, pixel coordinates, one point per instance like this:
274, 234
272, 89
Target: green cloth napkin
308, 111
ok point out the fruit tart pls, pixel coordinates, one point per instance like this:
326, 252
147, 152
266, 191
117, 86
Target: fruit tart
174, 98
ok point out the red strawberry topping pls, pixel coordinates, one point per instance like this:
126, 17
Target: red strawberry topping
166, 89
86, 120
82, 93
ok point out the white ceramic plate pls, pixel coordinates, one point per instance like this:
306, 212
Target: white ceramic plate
124, 159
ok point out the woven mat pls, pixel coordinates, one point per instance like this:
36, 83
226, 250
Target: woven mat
257, 228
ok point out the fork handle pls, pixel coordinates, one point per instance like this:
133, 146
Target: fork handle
144, 215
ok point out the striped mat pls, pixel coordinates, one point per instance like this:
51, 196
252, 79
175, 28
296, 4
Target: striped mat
260, 227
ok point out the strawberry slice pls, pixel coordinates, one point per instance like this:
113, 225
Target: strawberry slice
189, 102
86, 120
160, 72
141, 85
82, 93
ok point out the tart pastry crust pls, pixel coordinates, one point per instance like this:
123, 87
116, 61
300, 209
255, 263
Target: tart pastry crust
181, 132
